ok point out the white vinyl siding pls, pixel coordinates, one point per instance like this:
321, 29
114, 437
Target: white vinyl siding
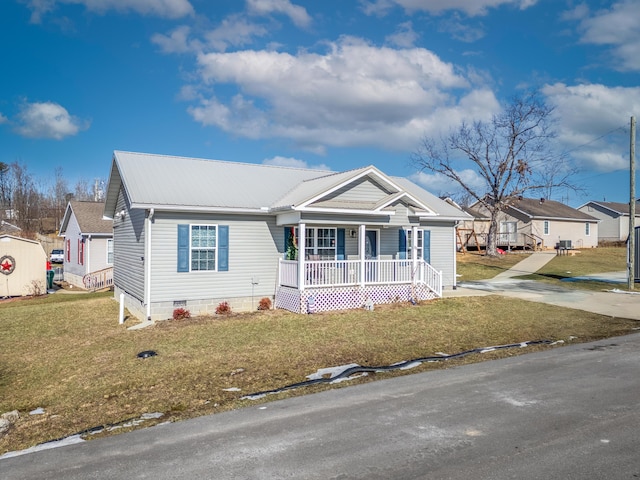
128, 250
253, 259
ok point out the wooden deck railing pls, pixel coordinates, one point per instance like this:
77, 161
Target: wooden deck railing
98, 280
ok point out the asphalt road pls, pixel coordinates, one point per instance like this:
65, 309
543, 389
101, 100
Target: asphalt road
565, 413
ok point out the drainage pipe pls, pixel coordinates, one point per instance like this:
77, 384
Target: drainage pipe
147, 266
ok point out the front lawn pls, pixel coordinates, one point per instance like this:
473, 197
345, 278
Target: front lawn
68, 356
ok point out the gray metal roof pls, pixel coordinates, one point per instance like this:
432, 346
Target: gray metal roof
180, 183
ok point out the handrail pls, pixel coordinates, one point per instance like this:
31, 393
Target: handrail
99, 279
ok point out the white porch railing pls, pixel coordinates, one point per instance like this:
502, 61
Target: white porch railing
98, 280
338, 273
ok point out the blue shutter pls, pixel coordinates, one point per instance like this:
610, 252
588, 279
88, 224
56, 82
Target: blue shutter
426, 245
340, 244
223, 248
402, 244
183, 248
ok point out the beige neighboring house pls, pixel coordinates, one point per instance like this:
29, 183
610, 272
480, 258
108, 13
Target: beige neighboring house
88, 245
538, 223
614, 219
23, 267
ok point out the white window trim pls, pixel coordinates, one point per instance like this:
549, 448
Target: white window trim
587, 229
546, 227
308, 250
191, 248
419, 248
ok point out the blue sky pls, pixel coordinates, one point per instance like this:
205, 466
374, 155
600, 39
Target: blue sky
334, 84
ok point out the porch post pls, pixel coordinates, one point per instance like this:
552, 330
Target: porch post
302, 234
361, 253
414, 251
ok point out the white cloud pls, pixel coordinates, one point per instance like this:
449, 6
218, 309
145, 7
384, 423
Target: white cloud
3, 119
293, 163
297, 14
234, 31
404, 37
177, 41
47, 120
471, 8
442, 185
159, 8
592, 122
616, 27
459, 30
355, 94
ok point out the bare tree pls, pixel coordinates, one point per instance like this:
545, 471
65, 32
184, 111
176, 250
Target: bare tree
25, 200
511, 153
5, 189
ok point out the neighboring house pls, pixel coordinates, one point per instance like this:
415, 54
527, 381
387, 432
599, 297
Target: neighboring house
194, 233
23, 267
8, 228
614, 219
539, 223
88, 245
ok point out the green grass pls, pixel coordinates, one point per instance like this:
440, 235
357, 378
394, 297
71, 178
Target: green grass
477, 266
68, 354
587, 262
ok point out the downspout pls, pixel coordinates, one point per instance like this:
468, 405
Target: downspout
147, 266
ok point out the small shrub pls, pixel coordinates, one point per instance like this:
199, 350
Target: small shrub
223, 309
180, 313
265, 304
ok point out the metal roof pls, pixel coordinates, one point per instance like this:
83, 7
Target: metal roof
181, 183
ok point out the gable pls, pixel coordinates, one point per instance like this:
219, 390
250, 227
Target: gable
362, 194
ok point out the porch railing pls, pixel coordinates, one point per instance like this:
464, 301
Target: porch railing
337, 273
98, 280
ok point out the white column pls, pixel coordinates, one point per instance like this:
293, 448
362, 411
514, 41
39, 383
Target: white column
302, 235
414, 250
361, 252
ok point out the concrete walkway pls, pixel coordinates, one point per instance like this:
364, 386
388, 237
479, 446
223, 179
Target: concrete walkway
615, 302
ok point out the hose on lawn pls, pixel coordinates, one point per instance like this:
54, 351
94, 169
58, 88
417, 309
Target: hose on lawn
348, 372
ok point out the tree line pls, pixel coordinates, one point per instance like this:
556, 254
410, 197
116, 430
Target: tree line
35, 206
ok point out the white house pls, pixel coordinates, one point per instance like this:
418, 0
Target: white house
614, 219
23, 267
194, 233
88, 245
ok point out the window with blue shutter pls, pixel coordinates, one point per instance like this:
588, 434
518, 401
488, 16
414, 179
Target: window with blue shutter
223, 248
183, 248
426, 245
203, 248
340, 244
402, 244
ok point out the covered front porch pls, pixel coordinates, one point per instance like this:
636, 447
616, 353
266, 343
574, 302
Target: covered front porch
347, 268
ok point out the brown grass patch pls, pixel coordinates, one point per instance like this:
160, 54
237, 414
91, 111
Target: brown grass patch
68, 355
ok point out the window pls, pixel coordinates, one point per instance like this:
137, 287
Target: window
546, 227
423, 244
203, 247
320, 242
419, 244
587, 229
69, 251
110, 251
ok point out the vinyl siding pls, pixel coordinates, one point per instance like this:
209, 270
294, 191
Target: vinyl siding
443, 250
574, 231
72, 234
361, 190
128, 250
255, 246
96, 253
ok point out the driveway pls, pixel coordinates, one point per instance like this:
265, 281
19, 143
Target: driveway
615, 302
563, 413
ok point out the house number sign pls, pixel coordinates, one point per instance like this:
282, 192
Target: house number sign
7, 264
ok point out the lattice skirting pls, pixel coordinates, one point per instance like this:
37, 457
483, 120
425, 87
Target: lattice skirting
347, 298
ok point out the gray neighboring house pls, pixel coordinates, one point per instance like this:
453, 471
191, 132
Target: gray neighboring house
614, 219
194, 233
88, 245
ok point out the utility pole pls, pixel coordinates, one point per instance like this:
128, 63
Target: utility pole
632, 204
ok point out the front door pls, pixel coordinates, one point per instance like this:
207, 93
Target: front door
371, 253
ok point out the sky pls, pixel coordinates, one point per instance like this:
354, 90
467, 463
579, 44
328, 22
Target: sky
331, 84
